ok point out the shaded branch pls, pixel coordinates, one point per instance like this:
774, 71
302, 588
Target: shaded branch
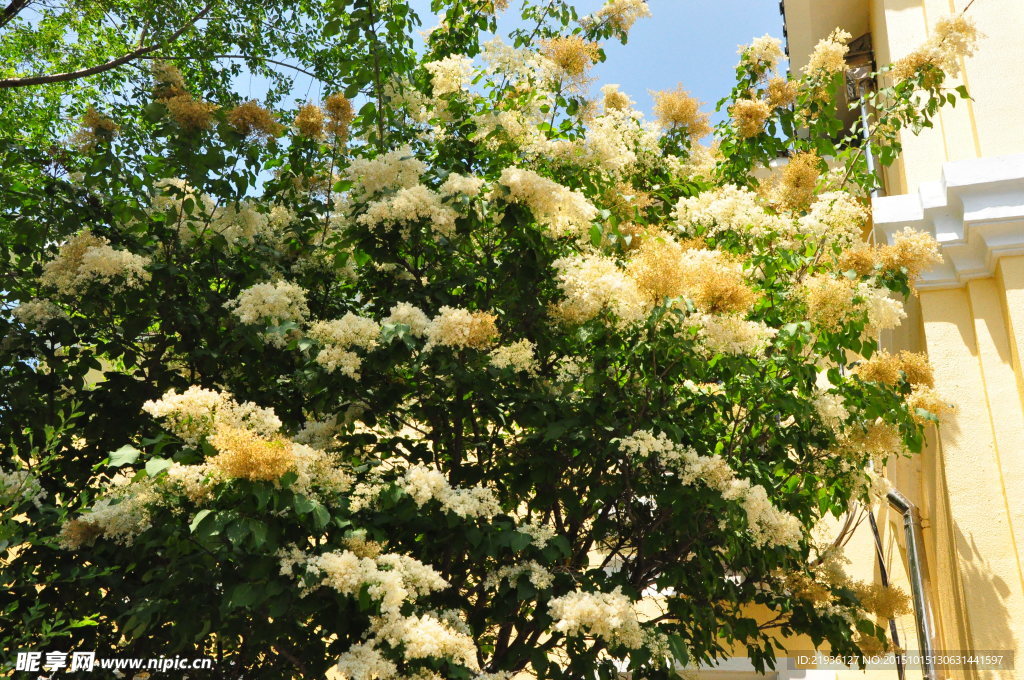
106, 66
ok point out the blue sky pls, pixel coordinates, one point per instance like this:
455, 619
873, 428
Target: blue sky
688, 42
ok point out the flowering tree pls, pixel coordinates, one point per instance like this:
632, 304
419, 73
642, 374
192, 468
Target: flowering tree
485, 378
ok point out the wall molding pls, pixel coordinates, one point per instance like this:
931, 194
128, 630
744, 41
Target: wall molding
975, 212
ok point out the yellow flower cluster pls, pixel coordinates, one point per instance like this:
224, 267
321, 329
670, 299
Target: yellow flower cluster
677, 109
833, 301
457, 327
340, 115
889, 368
910, 251
749, 115
781, 92
573, 55
242, 454
952, 38
309, 121
927, 399
252, 120
190, 113
95, 128
797, 182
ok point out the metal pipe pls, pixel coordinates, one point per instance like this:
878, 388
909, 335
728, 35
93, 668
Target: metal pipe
917, 565
869, 155
884, 573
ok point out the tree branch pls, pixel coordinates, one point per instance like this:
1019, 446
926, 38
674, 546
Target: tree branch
12, 11
247, 57
106, 66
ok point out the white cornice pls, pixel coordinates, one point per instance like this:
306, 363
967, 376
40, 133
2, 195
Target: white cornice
976, 212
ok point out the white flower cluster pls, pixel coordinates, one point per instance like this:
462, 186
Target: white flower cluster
398, 169
20, 486
623, 13
197, 216
539, 576
732, 334
272, 304
86, 258
124, 514
320, 434
451, 74
425, 484
561, 210
540, 533
409, 205
318, 471
727, 208
409, 315
835, 217
194, 482
766, 524
38, 313
338, 337
617, 141
831, 407
609, 616
197, 412
883, 311
764, 52
594, 283
426, 636
390, 579
364, 661
461, 184
516, 65
519, 356
829, 55
241, 221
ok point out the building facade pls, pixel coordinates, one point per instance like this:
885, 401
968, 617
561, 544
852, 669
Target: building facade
962, 181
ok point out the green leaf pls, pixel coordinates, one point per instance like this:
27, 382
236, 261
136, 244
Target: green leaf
198, 519
126, 455
157, 465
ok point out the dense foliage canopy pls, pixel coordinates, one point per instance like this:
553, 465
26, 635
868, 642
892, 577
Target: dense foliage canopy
457, 373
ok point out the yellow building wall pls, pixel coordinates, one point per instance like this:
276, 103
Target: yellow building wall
969, 481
